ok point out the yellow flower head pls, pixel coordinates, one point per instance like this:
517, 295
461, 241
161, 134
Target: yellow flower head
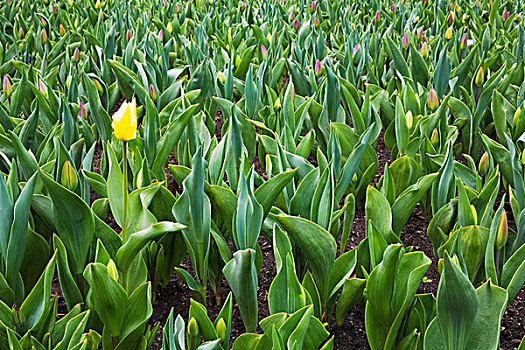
125, 121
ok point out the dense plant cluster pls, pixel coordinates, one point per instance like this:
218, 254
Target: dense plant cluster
135, 134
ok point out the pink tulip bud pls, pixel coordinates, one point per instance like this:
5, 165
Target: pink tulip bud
42, 87
506, 15
54, 9
432, 100
264, 51
176, 8
393, 7
129, 35
296, 24
404, 41
243, 6
463, 43
76, 55
292, 14
420, 33
318, 68
161, 35
293, 91
44, 22
6, 86
450, 19
312, 6
82, 113
354, 51
316, 21
20, 32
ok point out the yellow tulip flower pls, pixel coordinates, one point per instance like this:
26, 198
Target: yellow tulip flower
125, 121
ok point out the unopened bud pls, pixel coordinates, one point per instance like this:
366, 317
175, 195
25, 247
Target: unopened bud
61, 30
424, 50
377, 17
161, 34
76, 55
176, 8
474, 214
68, 80
99, 87
68, 176
516, 116
420, 34
312, 6
432, 100
169, 27
455, 260
296, 24
6, 86
316, 21
409, 119
523, 158
502, 233
480, 77
222, 77
152, 92
404, 41
129, 35
464, 41
193, 328
43, 35
221, 329
112, 270
98, 4
434, 138
450, 19
448, 33
42, 87
82, 112
21, 32
483, 166
318, 69
264, 52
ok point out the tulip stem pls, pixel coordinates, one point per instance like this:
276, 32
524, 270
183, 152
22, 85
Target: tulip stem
496, 263
125, 185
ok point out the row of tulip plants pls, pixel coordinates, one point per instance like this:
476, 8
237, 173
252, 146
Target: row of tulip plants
270, 113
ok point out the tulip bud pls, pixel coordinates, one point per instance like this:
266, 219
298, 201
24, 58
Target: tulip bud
264, 52
6, 86
441, 262
316, 21
68, 176
20, 32
377, 17
434, 138
480, 77
17, 316
450, 19
129, 35
455, 260
44, 22
222, 77
474, 214
318, 69
516, 117
502, 232
483, 166
161, 35
68, 80
99, 87
42, 87
463, 42
354, 51
404, 41
43, 35
54, 9
420, 34
76, 55
82, 113
296, 24
152, 92
176, 8
243, 6
506, 15
424, 50
277, 103
293, 91
312, 6
193, 328
221, 329
523, 158
432, 100
292, 14
61, 30
409, 119
98, 4
393, 7
112, 270
169, 27
448, 33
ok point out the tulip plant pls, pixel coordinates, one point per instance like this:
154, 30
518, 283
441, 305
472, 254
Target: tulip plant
267, 166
